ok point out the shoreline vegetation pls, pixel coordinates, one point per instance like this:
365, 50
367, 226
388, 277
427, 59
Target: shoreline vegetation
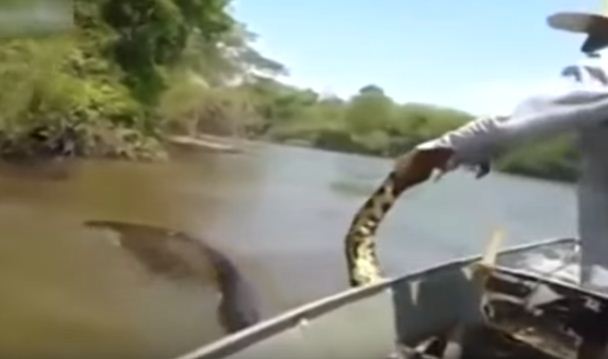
136, 76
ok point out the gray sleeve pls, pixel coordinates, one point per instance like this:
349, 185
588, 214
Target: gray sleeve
581, 103
536, 118
541, 117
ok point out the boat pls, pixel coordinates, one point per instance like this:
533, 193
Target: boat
530, 307
519, 302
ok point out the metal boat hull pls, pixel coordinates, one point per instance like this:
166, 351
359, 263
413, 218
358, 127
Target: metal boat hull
377, 320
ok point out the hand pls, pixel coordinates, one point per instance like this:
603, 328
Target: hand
417, 166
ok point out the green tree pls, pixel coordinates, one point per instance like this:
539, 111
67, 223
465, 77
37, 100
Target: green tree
423, 121
369, 110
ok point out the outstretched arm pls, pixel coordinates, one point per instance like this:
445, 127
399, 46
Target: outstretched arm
478, 142
472, 145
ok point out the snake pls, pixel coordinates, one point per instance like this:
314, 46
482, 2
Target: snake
360, 245
176, 255
363, 266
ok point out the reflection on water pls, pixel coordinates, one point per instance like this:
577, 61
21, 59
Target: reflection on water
69, 292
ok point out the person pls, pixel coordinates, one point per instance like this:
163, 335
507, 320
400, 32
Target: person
581, 107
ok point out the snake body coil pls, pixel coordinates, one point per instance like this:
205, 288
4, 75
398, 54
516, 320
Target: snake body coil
361, 257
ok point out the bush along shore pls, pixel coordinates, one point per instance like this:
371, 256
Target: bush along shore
372, 123
133, 74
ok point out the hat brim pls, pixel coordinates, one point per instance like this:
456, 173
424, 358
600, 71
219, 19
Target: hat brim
595, 26
578, 22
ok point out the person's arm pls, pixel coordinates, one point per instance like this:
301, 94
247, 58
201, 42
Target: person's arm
476, 143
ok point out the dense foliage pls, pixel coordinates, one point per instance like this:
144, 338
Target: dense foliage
133, 71
372, 123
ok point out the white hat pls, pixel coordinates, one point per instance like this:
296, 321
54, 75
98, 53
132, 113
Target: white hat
594, 25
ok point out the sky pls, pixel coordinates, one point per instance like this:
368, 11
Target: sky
480, 56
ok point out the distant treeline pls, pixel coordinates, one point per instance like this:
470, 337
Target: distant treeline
372, 123
134, 71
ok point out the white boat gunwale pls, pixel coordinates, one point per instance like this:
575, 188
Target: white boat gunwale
291, 318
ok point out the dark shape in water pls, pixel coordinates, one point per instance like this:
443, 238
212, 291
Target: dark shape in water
177, 255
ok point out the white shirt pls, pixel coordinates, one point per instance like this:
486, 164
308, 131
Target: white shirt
580, 107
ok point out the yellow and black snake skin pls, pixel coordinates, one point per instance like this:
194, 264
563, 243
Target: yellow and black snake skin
361, 257
362, 260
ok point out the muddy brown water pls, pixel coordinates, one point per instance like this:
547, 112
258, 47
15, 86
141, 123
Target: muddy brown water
280, 213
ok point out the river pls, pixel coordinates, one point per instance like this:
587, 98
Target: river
279, 212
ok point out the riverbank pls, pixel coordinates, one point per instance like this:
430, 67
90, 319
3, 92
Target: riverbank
555, 160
